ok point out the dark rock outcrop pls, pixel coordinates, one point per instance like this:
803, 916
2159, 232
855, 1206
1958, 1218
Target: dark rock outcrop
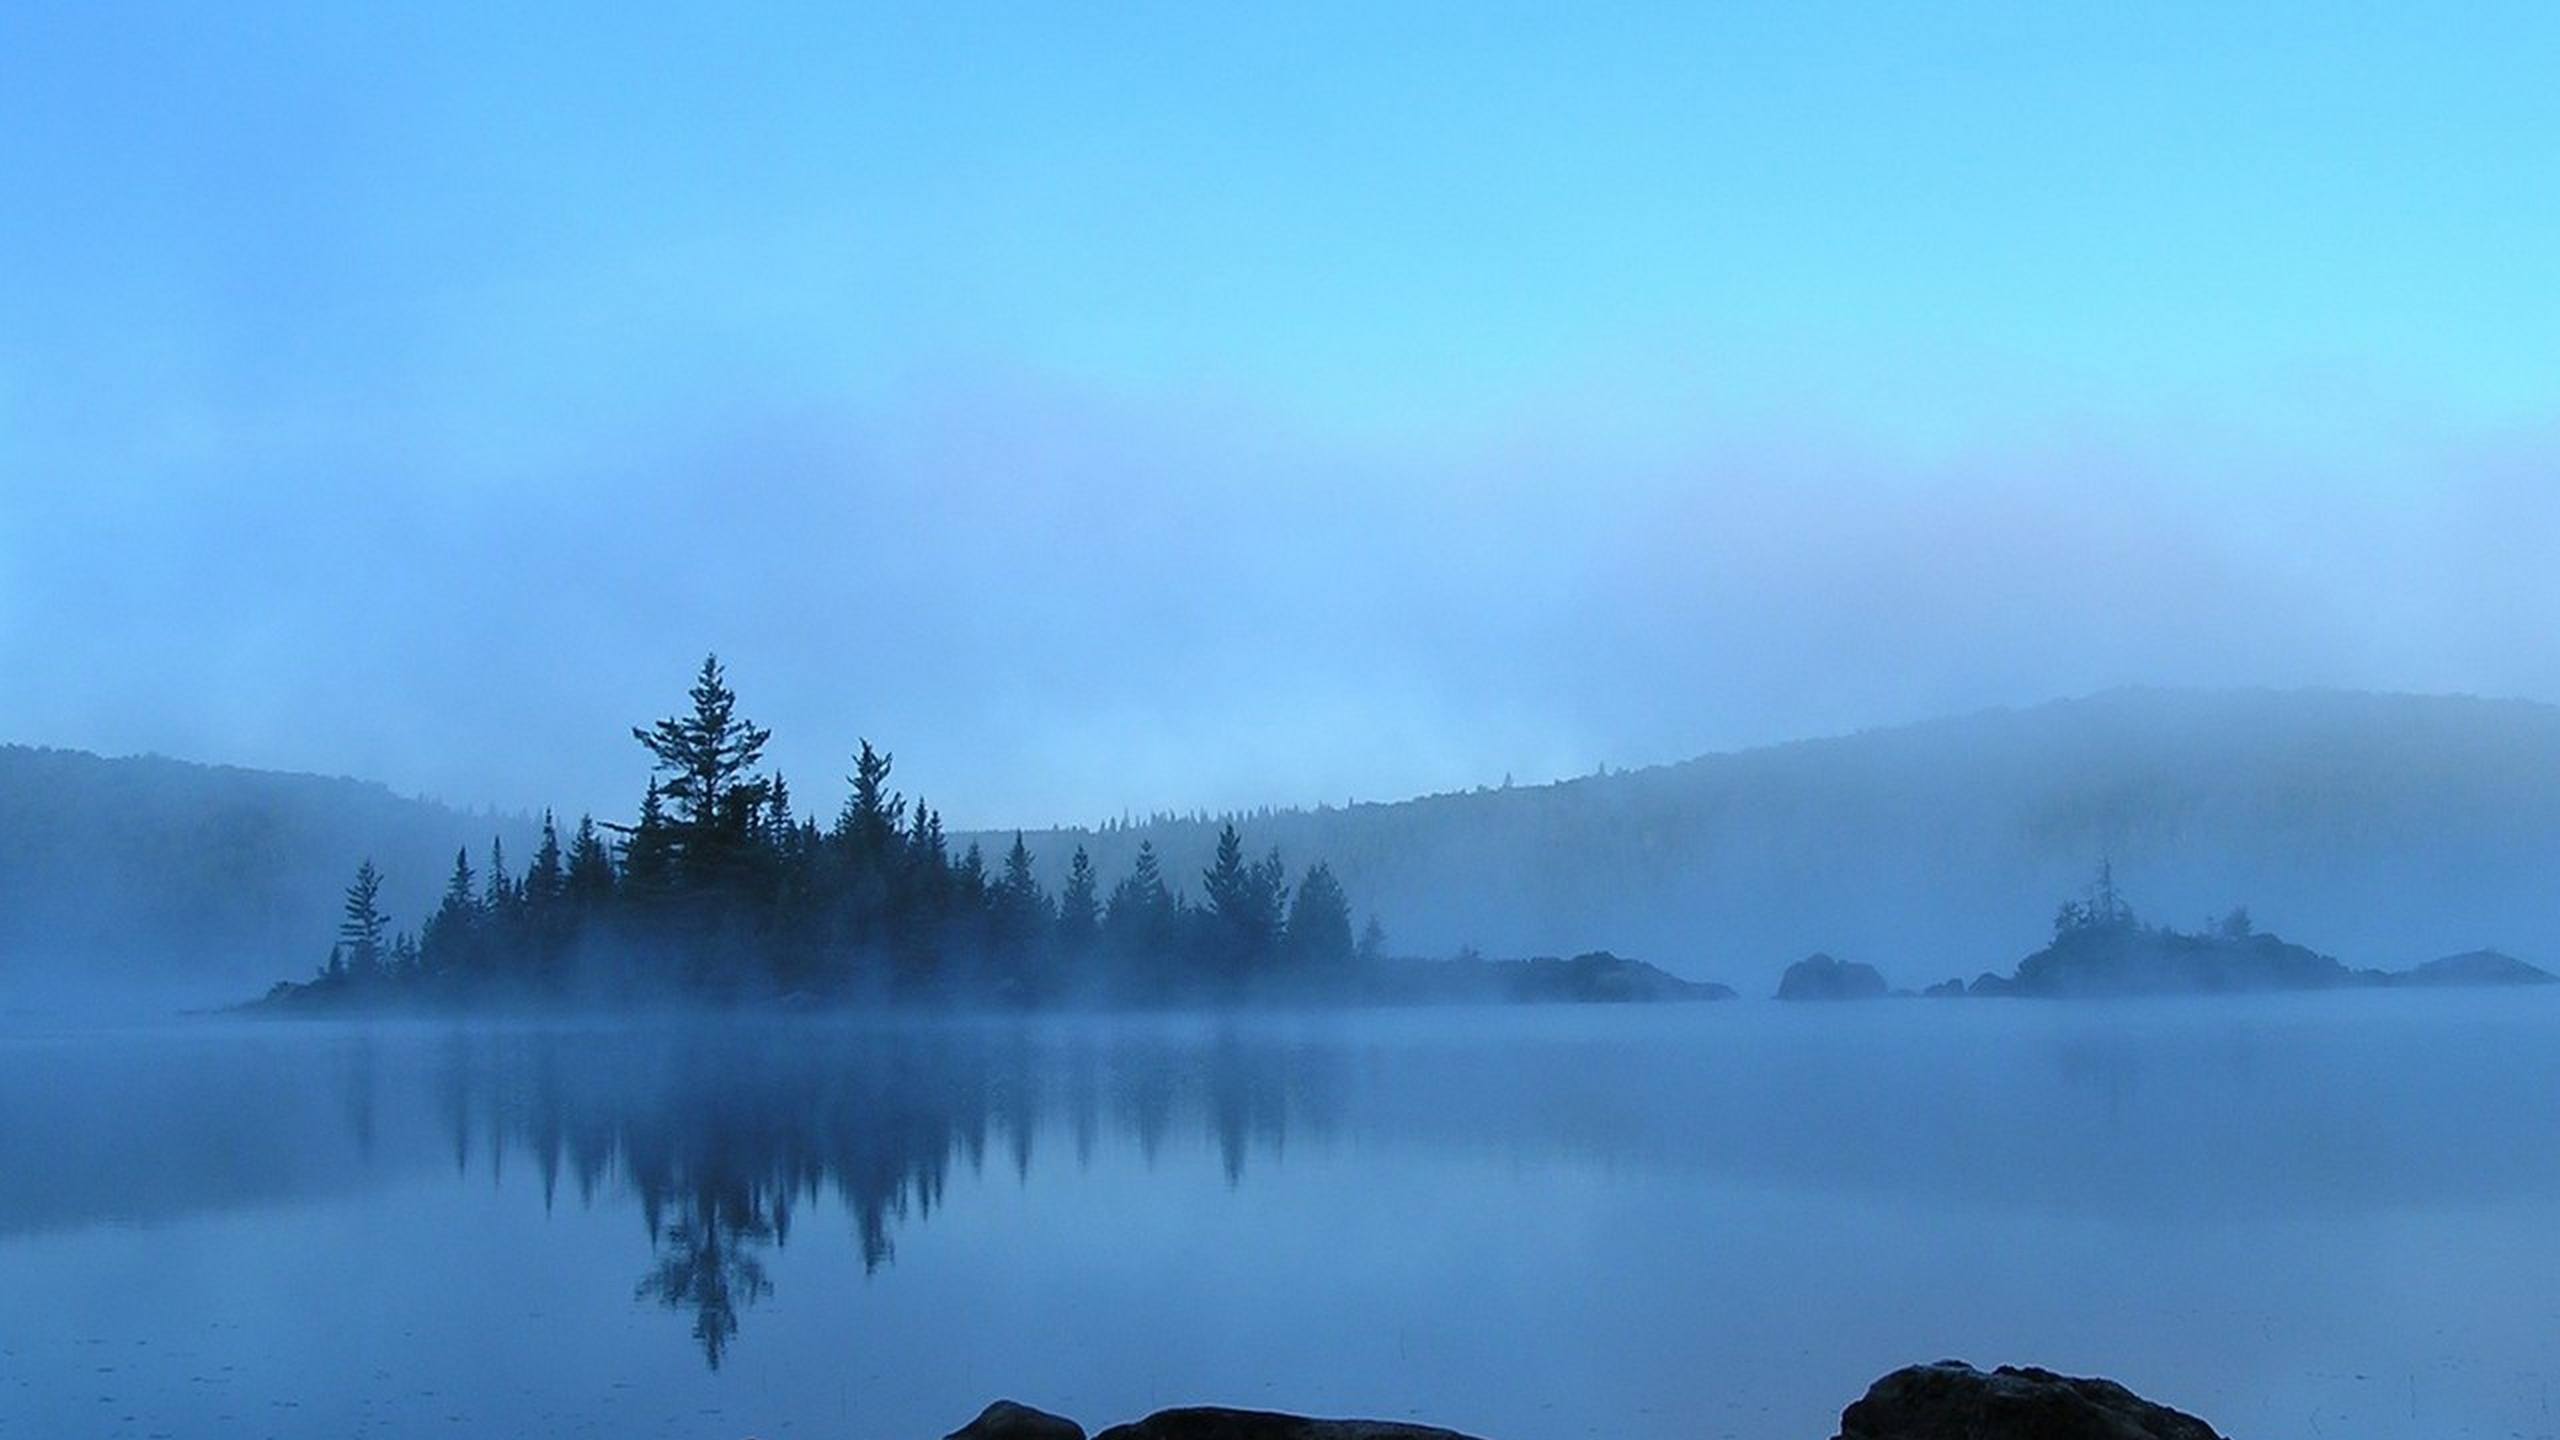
1946, 1401
1595, 977
1820, 977
1213, 1423
1006, 1420
2475, 967
1944, 990
2134, 959
1953, 1401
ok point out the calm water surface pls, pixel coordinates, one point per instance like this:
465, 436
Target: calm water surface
2330, 1216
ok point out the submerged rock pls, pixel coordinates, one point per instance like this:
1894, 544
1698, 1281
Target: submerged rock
1953, 1401
1208, 1422
1820, 977
1006, 1420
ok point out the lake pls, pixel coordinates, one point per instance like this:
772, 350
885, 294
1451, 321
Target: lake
2320, 1216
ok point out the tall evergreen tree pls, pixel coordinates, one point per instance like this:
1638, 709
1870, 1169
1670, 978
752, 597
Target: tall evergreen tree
969, 881
1019, 906
453, 931
648, 850
1245, 900
1227, 879
869, 822
781, 832
1139, 920
1319, 928
1373, 942
360, 933
1079, 908
708, 757
589, 882
501, 893
545, 882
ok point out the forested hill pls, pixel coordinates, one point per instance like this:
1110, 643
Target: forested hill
2384, 829
198, 881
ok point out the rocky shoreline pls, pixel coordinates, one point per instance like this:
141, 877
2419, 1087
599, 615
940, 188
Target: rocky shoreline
1949, 1400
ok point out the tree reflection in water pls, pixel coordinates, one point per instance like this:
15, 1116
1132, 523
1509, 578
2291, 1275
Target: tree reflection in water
720, 1130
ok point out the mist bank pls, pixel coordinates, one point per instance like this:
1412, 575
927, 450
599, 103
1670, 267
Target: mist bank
2397, 828
143, 880
2393, 828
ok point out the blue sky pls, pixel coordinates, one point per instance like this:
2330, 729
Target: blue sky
1314, 400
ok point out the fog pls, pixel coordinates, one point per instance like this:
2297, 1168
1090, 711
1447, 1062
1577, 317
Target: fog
1077, 411
1056, 616
1407, 567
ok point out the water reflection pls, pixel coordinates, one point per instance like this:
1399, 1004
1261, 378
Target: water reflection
720, 1139
720, 1133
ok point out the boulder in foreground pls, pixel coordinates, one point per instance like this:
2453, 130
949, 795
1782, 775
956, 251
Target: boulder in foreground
1946, 1401
1006, 1420
1207, 1422
1953, 1401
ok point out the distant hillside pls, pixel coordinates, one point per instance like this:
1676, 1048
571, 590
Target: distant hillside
203, 880
2383, 829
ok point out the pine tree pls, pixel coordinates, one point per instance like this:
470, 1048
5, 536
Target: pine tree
1373, 942
453, 932
1020, 908
360, 933
544, 881
969, 881
1244, 911
781, 832
1319, 928
1079, 909
501, 895
708, 757
868, 825
589, 882
648, 850
1227, 879
1139, 920
502, 927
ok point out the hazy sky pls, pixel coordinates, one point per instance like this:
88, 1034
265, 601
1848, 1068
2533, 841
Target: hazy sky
1119, 407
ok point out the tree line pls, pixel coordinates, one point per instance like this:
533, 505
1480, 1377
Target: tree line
719, 888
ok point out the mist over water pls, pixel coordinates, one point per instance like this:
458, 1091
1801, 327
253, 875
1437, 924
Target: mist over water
2296, 1215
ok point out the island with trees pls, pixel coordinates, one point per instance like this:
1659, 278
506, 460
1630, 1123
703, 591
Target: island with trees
2101, 948
721, 892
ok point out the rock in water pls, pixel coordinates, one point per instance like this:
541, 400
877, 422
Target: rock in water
1211, 1423
1953, 1401
2476, 967
1005, 1420
1820, 977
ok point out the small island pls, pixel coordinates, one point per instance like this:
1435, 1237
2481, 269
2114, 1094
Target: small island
1821, 977
721, 893
2101, 948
